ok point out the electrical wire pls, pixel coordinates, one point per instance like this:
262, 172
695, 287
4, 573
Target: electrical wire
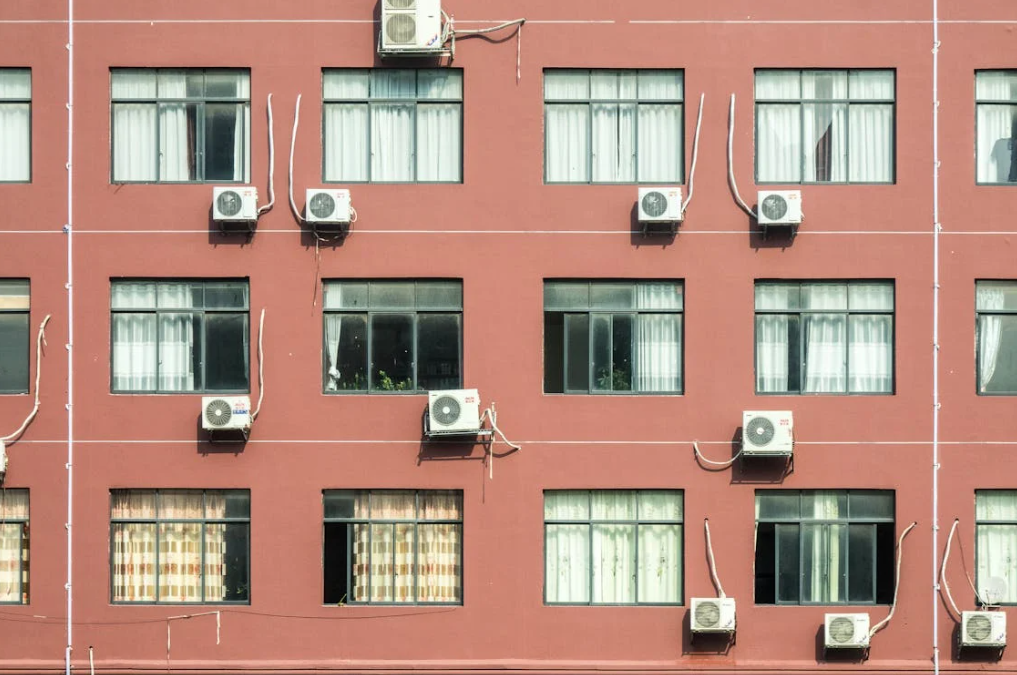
492, 415
271, 161
293, 144
40, 340
730, 161
724, 464
942, 570
695, 155
261, 366
896, 585
713, 563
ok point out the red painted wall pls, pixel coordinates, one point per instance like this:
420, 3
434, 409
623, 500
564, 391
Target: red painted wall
502, 231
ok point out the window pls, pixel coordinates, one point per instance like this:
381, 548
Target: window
824, 547
996, 126
393, 336
613, 126
613, 547
824, 337
173, 126
393, 546
14, 338
393, 126
180, 545
824, 126
996, 336
613, 337
15, 125
996, 540
14, 546
175, 336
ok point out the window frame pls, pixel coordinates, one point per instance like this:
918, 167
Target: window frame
156, 311
199, 154
801, 103
590, 102
16, 101
25, 552
27, 313
979, 522
979, 313
847, 313
1012, 103
416, 522
637, 523
369, 312
592, 311
371, 101
846, 521
205, 520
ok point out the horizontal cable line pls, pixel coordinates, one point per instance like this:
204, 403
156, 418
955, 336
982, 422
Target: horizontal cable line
830, 22
418, 441
152, 22
522, 232
754, 22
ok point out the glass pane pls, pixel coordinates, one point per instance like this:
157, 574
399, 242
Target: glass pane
825, 353
237, 502
405, 577
824, 84
824, 560
861, 563
996, 129
871, 85
234, 543
871, 136
996, 505
392, 295
996, 556
613, 84
778, 85
13, 504
995, 295
566, 84
601, 352
14, 357
777, 506
567, 563
567, 505
438, 559
345, 295
225, 142
180, 563
567, 142
178, 84
180, 351
660, 150
383, 546
392, 352
788, 563
870, 504
346, 142
824, 296
132, 294
338, 503
997, 354
614, 129
440, 505
15, 83
566, 295
346, 352
178, 151
660, 569
577, 352
824, 504
440, 295
825, 148
226, 295
613, 504
136, 504
777, 296
14, 294
393, 505
660, 505
181, 505
778, 142
220, 84
133, 84
393, 83
438, 142
226, 352
134, 557
996, 85
614, 563
440, 83
134, 352
345, 84
870, 295
180, 295
621, 351
660, 85
611, 295
438, 356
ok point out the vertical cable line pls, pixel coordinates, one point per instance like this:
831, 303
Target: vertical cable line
69, 231
936, 227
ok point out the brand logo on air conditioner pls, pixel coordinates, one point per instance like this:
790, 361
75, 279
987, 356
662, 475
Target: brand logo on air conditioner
469, 399
239, 408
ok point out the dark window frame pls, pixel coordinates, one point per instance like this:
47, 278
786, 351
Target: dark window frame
1002, 312
997, 522
15, 101
24, 315
802, 102
156, 311
24, 565
1012, 104
201, 148
205, 520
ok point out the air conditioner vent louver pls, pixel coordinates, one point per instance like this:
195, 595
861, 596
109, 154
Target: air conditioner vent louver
401, 28
452, 412
400, 4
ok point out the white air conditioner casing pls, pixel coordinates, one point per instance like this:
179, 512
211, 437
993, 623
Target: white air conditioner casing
325, 206
225, 413
779, 207
452, 412
767, 433
712, 615
983, 629
410, 27
846, 631
238, 204
660, 204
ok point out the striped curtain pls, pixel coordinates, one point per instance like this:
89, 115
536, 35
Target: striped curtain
14, 546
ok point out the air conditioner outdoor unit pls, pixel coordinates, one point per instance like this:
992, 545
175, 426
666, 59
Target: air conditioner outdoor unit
660, 204
712, 615
767, 433
779, 207
226, 413
235, 204
847, 631
452, 412
328, 210
983, 629
410, 27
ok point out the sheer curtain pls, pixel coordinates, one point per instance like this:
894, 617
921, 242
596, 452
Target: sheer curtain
135, 151
15, 124
346, 126
333, 328
134, 555
176, 338
567, 547
870, 338
871, 126
14, 546
996, 127
825, 338
180, 547
824, 575
613, 127
614, 547
661, 141
567, 127
658, 339
824, 126
392, 125
778, 126
134, 337
660, 547
996, 545
176, 142
439, 546
990, 330
772, 337
439, 125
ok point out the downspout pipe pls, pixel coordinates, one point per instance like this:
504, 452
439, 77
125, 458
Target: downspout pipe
69, 231
936, 228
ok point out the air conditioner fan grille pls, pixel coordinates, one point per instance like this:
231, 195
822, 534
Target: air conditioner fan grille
401, 28
774, 207
218, 413
759, 431
322, 205
707, 614
229, 203
400, 4
654, 204
979, 628
842, 630
445, 410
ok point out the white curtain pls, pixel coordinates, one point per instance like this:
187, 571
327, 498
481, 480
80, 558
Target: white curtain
392, 126
660, 547
614, 127
825, 127
333, 328
439, 125
175, 147
996, 545
778, 127
990, 331
567, 547
135, 151
567, 127
661, 138
870, 339
613, 548
871, 127
14, 546
134, 337
176, 338
996, 127
772, 333
825, 338
346, 126
658, 339
15, 124
824, 576
242, 130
